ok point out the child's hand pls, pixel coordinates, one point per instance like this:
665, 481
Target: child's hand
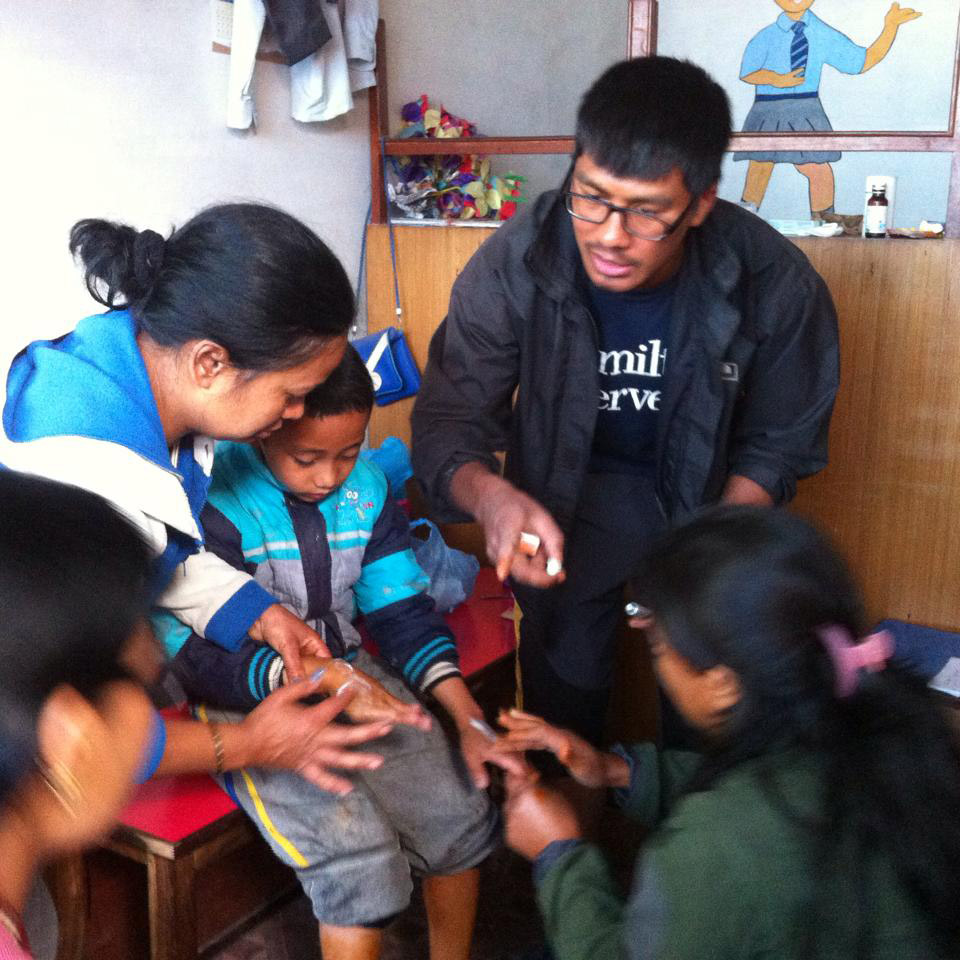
535, 816
372, 702
290, 637
529, 732
479, 746
792, 79
898, 15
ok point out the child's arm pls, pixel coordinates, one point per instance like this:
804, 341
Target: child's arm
475, 744
772, 79
391, 594
895, 18
214, 593
371, 701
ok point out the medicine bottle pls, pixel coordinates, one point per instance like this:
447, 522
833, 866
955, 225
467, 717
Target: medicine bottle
875, 224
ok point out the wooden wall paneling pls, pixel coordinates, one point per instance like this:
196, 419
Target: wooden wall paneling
428, 261
891, 493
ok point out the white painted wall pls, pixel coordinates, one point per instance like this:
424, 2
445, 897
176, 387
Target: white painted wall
513, 69
115, 108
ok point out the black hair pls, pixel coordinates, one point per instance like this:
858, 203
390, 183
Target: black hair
645, 116
749, 588
73, 577
349, 388
247, 276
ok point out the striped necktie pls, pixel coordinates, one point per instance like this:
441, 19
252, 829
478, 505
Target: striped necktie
799, 47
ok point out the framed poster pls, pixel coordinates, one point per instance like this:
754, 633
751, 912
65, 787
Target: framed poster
826, 92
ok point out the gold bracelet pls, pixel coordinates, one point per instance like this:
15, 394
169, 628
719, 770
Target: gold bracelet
214, 729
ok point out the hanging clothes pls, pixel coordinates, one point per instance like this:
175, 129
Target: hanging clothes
322, 83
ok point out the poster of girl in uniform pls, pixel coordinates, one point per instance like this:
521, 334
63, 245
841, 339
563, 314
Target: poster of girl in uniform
784, 62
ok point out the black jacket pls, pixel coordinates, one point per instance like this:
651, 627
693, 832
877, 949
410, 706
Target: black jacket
749, 384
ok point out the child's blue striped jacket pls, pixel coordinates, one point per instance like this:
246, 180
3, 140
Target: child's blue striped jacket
327, 562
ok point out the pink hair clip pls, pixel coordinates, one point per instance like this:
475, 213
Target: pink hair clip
849, 658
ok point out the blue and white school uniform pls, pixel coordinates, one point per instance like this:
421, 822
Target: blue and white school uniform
795, 109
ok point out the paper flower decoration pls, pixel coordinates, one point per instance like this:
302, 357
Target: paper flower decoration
449, 187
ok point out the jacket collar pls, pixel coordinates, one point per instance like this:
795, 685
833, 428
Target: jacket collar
786, 23
553, 258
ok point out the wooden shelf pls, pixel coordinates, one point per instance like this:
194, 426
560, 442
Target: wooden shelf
425, 146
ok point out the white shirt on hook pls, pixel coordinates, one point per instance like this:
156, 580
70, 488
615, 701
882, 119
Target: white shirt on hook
321, 85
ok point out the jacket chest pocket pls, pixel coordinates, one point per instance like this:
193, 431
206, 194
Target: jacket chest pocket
733, 370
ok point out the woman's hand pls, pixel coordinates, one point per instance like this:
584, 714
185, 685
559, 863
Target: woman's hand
528, 732
289, 636
371, 702
285, 734
535, 817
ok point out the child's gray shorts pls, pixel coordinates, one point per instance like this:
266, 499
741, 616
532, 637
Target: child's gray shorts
419, 812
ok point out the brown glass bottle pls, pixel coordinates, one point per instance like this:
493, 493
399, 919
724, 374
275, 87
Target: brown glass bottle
875, 223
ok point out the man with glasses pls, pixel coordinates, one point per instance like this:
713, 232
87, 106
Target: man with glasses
639, 349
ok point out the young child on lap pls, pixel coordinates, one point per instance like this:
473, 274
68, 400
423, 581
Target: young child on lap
318, 528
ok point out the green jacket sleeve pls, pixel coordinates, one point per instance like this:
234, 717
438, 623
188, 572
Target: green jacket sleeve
581, 907
657, 778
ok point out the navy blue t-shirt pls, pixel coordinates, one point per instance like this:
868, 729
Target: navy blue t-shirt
632, 330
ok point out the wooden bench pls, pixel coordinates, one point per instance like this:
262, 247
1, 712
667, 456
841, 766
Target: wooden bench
176, 826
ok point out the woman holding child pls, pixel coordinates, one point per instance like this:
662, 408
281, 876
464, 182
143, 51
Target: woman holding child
225, 328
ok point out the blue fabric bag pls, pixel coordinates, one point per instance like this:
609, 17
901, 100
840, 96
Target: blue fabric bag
388, 358
393, 458
452, 572
921, 650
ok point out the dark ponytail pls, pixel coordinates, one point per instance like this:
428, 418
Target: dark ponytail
73, 576
245, 275
753, 589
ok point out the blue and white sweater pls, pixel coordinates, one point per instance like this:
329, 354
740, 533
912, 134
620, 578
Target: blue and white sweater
80, 409
327, 562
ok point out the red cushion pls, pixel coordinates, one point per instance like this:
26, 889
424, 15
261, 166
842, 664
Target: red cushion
172, 808
481, 632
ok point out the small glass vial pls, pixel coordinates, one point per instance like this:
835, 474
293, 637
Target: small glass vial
875, 224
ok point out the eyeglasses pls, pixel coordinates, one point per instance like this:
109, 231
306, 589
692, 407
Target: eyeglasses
638, 223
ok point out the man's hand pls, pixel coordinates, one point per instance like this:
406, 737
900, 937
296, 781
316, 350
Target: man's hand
289, 636
745, 492
505, 512
284, 734
528, 732
536, 816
